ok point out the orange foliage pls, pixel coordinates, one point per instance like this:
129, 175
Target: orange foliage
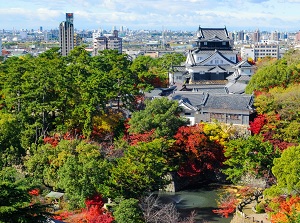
287, 208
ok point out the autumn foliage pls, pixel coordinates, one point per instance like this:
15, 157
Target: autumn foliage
257, 124
227, 204
288, 209
196, 153
94, 212
34, 192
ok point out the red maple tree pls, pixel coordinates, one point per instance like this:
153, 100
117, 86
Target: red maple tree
195, 151
94, 212
226, 205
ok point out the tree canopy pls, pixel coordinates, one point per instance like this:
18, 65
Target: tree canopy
250, 155
286, 169
283, 72
160, 114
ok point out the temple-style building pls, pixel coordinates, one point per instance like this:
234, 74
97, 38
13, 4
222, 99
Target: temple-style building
211, 64
211, 84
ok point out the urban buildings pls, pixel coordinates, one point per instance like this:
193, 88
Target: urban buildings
66, 34
107, 41
260, 50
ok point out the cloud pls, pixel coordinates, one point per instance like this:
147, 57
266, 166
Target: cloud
258, 1
151, 14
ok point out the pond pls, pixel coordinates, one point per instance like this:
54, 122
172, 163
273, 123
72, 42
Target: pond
202, 201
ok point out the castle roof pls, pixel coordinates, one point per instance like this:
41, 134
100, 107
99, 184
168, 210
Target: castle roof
213, 34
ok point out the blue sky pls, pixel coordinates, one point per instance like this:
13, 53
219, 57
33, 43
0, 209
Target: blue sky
280, 15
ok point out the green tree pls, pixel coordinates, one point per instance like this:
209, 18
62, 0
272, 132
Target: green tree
10, 145
249, 156
282, 72
142, 67
160, 114
142, 169
74, 166
286, 169
128, 211
281, 107
84, 173
15, 201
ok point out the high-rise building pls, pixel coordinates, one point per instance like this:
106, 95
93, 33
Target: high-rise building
275, 36
256, 36
66, 35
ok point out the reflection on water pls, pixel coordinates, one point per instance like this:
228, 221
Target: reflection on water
202, 201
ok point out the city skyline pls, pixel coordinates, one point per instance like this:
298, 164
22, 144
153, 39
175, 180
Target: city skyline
269, 15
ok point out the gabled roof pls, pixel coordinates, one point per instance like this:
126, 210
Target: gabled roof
217, 69
190, 58
158, 92
244, 78
243, 63
216, 53
235, 88
198, 50
206, 34
194, 99
229, 102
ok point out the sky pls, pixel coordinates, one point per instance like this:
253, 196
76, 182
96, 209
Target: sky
176, 15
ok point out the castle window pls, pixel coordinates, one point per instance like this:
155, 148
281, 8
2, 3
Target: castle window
205, 43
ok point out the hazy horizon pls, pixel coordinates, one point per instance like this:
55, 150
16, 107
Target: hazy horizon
175, 15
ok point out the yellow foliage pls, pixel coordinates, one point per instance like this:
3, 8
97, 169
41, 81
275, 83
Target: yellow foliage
107, 122
219, 132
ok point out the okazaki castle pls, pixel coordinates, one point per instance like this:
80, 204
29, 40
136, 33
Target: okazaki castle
211, 84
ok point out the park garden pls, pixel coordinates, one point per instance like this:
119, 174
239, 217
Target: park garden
65, 128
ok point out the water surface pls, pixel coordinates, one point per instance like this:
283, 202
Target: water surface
202, 201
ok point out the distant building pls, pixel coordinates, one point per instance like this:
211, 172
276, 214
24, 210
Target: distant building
77, 40
96, 34
256, 36
111, 41
260, 50
66, 35
275, 36
0, 47
297, 37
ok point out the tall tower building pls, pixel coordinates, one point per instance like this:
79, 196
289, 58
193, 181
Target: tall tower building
66, 35
256, 36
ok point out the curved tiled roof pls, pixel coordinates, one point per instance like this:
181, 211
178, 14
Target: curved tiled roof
229, 101
213, 33
195, 99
